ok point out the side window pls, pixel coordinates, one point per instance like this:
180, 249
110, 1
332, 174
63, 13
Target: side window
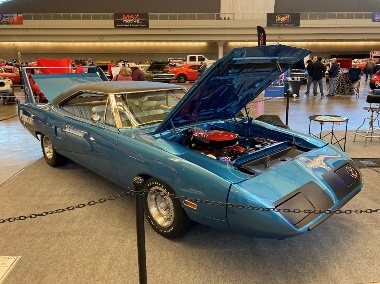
192, 58
85, 105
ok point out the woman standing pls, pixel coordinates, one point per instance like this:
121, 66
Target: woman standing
125, 74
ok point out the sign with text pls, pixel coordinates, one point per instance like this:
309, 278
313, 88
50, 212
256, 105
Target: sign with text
11, 19
283, 19
131, 20
261, 36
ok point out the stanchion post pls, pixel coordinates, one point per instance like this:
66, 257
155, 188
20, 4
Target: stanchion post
287, 107
138, 183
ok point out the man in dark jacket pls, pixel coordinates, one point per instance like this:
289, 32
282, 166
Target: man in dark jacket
92, 66
333, 74
308, 69
317, 71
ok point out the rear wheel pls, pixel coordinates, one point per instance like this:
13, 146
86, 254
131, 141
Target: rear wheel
165, 213
51, 156
182, 78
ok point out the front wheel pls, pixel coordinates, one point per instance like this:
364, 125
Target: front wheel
51, 156
182, 78
164, 212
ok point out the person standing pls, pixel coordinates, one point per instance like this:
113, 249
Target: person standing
78, 67
125, 74
318, 70
333, 74
92, 66
137, 74
308, 69
369, 68
109, 68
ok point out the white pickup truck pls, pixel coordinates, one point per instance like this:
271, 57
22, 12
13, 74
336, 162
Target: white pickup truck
197, 58
192, 58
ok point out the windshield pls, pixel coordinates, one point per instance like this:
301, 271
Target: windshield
146, 108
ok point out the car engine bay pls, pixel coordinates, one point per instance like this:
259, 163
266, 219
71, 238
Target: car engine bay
247, 150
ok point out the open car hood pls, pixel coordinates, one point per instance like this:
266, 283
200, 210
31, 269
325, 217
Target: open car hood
231, 83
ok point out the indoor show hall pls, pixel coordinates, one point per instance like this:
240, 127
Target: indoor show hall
67, 224
97, 244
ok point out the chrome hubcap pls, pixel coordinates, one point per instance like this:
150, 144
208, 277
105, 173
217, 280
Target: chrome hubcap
160, 207
48, 148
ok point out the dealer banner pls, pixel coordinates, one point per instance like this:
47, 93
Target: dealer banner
261, 36
283, 19
131, 20
11, 19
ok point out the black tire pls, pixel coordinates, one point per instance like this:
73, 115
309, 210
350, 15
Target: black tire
165, 214
51, 156
182, 78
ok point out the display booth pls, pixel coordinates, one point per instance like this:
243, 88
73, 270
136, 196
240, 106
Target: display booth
278, 87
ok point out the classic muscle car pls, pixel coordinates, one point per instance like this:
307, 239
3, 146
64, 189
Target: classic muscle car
10, 72
196, 145
187, 72
7, 92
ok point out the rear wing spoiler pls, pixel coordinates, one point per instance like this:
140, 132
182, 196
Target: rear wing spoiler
50, 86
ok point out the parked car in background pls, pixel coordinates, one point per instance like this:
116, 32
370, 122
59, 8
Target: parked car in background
186, 72
7, 90
360, 63
375, 81
200, 161
158, 71
10, 72
299, 74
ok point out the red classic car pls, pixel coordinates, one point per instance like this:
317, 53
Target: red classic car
10, 72
375, 81
187, 72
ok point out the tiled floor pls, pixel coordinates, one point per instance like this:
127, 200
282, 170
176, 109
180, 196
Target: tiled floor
18, 148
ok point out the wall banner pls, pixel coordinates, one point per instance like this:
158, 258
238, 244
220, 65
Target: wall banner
375, 16
131, 20
283, 19
11, 19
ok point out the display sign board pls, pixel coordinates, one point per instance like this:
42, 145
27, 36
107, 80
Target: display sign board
375, 16
131, 20
11, 19
283, 19
6, 265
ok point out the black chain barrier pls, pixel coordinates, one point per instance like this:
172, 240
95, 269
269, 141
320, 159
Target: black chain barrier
8, 118
195, 200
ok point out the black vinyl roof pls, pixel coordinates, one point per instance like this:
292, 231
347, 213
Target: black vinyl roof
114, 87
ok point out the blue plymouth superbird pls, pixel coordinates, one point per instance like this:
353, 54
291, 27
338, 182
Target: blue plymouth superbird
196, 144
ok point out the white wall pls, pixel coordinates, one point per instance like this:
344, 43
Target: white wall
246, 9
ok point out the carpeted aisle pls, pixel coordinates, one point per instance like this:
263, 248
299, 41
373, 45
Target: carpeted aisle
97, 244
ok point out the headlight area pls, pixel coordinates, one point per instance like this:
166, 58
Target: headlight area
300, 210
308, 197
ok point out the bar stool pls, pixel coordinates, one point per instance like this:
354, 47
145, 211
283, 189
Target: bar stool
372, 131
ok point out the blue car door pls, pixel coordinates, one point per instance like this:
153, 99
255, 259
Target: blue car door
91, 142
